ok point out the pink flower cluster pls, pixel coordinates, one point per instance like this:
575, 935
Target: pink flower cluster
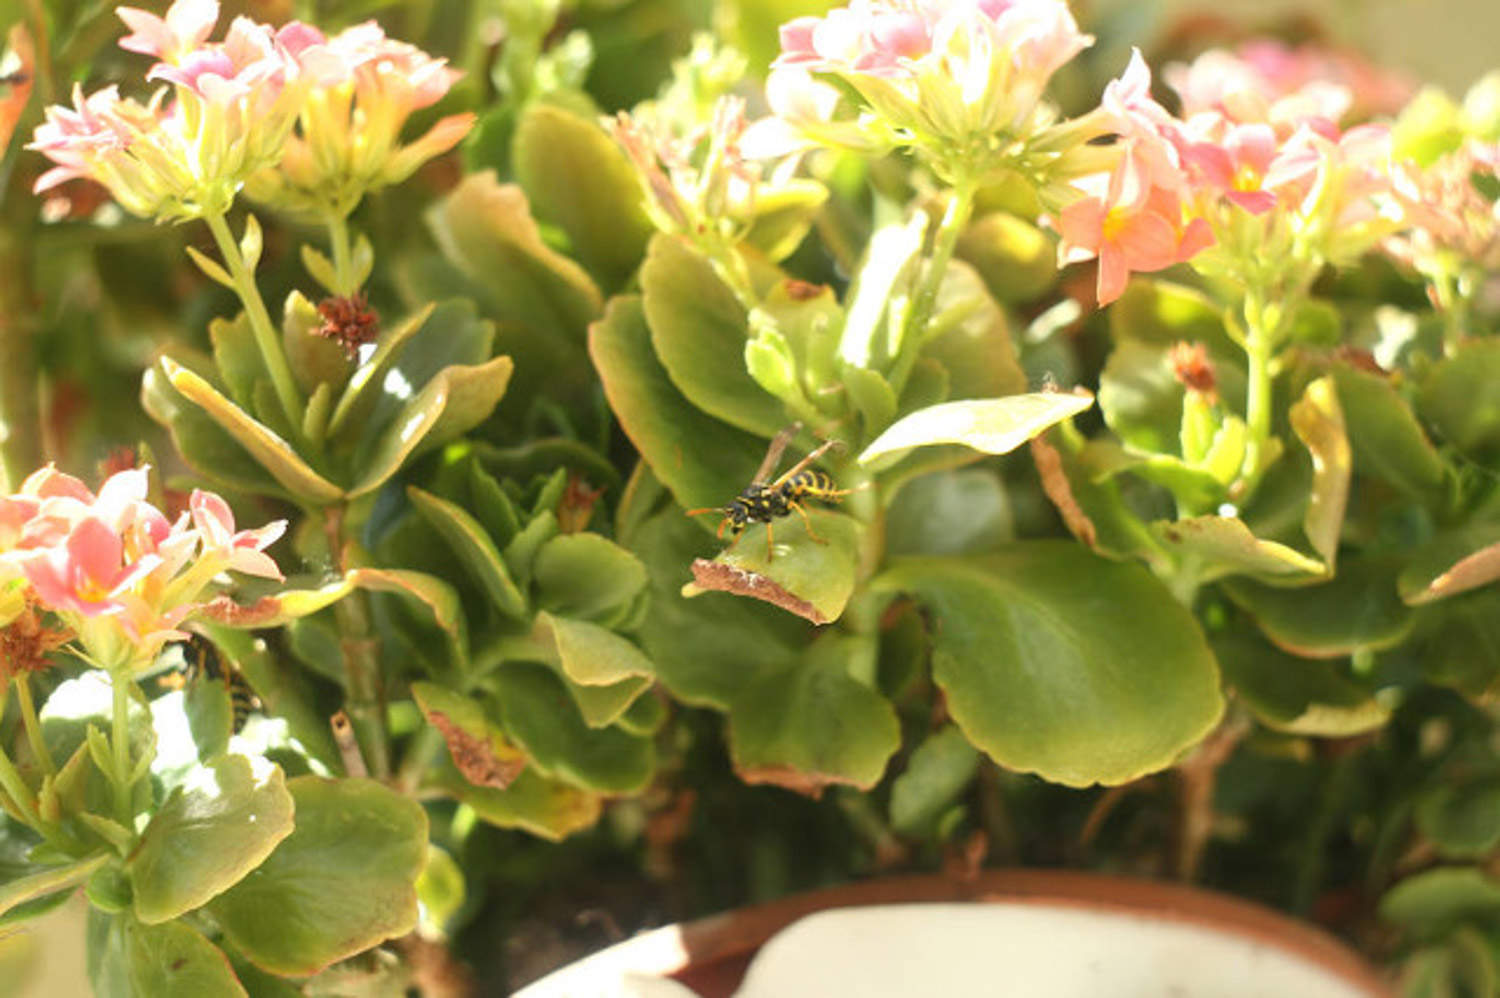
348, 142
956, 73
112, 567
232, 108
1244, 145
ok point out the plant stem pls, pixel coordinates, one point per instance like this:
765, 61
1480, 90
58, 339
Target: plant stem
20, 412
260, 322
33, 726
364, 685
1259, 349
119, 740
955, 220
343, 255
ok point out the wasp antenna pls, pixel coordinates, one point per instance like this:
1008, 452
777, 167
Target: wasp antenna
705, 509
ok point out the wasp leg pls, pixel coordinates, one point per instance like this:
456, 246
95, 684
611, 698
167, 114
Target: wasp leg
807, 520
770, 547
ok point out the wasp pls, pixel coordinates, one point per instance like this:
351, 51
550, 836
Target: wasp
764, 501
201, 660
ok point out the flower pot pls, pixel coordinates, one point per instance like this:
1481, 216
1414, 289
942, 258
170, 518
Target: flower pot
1038, 934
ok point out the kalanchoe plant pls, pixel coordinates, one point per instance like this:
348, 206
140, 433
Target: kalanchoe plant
1058, 524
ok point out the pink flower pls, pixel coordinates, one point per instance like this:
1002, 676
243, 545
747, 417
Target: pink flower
88, 573
1131, 226
80, 137
243, 551
187, 25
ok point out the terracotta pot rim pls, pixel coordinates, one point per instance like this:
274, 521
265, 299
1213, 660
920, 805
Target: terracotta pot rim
692, 950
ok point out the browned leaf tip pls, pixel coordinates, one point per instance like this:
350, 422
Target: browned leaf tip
724, 578
223, 610
474, 755
801, 290
1055, 483
788, 778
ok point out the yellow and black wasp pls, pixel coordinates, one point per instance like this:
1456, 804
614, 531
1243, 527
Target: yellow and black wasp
201, 660
765, 502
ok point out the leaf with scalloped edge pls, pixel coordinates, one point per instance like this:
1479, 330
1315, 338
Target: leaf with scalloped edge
548, 808
1058, 662
1357, 610
1319, 423
797, 573
813, 725
274, 611
206, 446
699, 329
479, 749
1223, 545
1297, 695
343, 881
275, 454
1451, 563
457, 399
213, 829
474, 549
703, 461
363, 387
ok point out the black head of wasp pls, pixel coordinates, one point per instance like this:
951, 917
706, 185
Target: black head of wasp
765, 501
201, 660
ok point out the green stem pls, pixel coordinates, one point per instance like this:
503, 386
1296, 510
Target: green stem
119, 740
343, 254
20, 410
955, 220
1259, 349
260, 321
363, 683
33, 726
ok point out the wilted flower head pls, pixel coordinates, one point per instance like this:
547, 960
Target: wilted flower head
112, 567
349, 137
186, 152
961, 80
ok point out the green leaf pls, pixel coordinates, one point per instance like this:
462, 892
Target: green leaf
275, 454
175, 960
441, 891
579, 180
1319, 423
319, 267
1460, 399
1297, 695
544, 807
343, 881
970, 338
993, 426
1358, 610
939, 770
1017, 260
872, 396
1450, 563
949, 512
539, 714
698, 329
813, 725
237, 356
474, 549
457, 399
1463, 818
222, 823
593, 655
705, 649
1061, 663
1141, 399
212, 270
1432, 903
364, 386
1223, 545
1462, 650
486, 228
586, 576
881, 288
479, 749
1385, 437
204, 444
315, 360
273, 611
810, 576
438, 597
48, 881
1162, 313
702, 461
